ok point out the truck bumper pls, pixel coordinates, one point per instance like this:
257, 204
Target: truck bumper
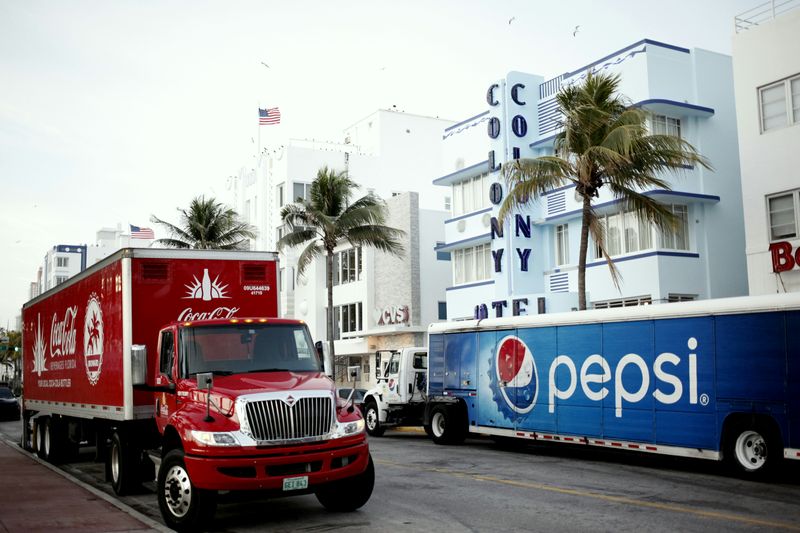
266, 470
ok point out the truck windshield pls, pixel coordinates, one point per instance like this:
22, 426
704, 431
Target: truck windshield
241, 348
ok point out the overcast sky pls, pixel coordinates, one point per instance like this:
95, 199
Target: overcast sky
111, 111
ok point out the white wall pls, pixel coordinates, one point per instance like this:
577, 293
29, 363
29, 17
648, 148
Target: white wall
770, 161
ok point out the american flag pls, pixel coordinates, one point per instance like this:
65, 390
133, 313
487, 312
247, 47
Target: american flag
269, 116
141, 233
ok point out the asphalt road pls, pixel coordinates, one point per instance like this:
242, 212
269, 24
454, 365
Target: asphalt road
483, 486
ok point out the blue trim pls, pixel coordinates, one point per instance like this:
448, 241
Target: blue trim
634, 45
486, 210
469, 286
647, 254
708, 197
456, 244
675, 103
467, 120
454, 176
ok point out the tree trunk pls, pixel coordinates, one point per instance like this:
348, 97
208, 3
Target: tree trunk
587, 212
331, 322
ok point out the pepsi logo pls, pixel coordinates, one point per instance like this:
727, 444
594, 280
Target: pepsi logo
517, 379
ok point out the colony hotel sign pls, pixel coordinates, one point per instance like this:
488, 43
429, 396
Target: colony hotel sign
782, 257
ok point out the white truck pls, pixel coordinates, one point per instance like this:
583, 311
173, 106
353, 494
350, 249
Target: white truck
401, 397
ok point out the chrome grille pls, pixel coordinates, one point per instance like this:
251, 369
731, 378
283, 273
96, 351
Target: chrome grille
275, 420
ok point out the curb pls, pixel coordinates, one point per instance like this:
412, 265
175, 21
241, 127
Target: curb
146, 520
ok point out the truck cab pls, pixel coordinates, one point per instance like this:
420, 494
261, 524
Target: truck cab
400, 395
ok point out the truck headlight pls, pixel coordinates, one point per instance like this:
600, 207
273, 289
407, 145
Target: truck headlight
210, 438
346, 429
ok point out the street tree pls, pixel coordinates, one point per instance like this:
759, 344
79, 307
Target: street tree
604, 141
327, 218
209, 225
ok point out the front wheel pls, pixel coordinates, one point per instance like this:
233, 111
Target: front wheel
348, 494
372, 420
183, 506
752, 450
447, 426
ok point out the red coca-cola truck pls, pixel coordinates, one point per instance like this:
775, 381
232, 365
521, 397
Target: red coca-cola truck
173, 361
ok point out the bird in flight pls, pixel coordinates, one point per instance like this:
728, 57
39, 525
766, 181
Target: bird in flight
575, 31
511, 20
265, 64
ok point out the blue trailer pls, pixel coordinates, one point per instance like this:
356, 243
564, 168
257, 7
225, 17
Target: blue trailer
713, 379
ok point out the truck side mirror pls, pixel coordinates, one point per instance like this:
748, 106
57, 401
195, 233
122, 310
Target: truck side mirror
354, 373
205, 381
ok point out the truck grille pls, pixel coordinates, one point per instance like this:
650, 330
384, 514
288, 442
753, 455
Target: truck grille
278, 421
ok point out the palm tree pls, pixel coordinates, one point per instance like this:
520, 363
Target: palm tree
327, 218
207, 225
604, 141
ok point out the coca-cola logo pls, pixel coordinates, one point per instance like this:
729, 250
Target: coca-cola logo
189, 314
63, 333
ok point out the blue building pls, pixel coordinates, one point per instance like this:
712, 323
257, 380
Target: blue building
530, 265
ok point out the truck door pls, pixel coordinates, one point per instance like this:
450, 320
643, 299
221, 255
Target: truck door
166, 377
393, 389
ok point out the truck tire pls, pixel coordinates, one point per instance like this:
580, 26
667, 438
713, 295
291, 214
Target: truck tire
349, 494
183, 506
372, 419
447, 425
123, 465
44, 440
752, 449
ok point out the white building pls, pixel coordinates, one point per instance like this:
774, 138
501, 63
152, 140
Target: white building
393, 155
530, 265
766, 66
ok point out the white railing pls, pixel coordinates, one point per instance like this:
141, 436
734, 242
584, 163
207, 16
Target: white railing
763, 13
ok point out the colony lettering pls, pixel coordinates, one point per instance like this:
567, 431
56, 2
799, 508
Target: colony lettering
516, 378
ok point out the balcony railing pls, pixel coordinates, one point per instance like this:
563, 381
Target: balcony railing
763, 13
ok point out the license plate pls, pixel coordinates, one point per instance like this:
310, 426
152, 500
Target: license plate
295, 483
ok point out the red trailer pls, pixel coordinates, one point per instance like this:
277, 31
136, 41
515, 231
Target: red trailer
173, 360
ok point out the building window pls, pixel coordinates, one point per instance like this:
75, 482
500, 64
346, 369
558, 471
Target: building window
471, 195
562, 244
472, 264
349, 317
301, 190
780, 104
664, 125
442, 310
677, 238
625, 232
60, 279
782, 209
62, 262
347, 266
624, 302
280, 195
448, 204
442, 256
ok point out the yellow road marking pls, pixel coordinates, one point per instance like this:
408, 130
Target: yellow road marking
605, 497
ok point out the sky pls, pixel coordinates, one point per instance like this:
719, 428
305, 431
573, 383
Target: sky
113, 111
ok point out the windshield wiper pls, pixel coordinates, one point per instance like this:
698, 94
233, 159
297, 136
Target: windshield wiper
221, 372
269, 370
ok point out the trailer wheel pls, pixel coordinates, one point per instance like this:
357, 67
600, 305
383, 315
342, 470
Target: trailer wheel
183, 506
123, 465
752, 449
373, 420
348, 494
44, 444
447, 426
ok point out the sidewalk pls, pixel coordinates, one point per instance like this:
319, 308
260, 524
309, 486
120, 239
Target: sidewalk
33, 497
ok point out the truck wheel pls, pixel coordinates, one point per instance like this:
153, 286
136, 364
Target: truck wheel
44, 441
123, 465
348, 494
372, 419
183, 507
752, 450
447, 427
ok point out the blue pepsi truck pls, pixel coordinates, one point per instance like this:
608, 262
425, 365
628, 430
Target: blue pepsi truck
713, 379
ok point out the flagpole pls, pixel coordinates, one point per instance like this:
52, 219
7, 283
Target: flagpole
258, 148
